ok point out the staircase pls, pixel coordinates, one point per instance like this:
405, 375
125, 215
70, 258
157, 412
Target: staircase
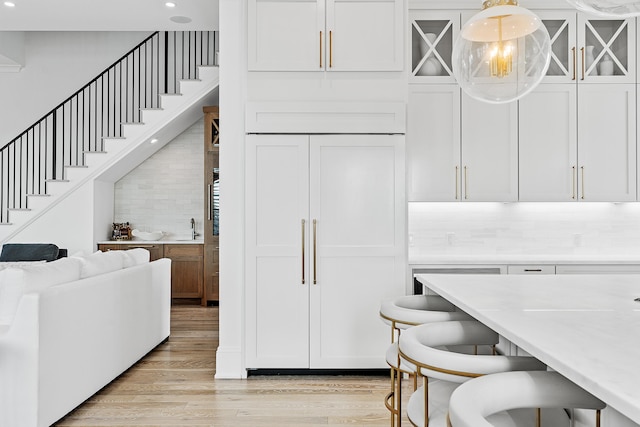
106, 128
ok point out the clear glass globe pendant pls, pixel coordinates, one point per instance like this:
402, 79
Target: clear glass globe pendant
608, 8
502, 53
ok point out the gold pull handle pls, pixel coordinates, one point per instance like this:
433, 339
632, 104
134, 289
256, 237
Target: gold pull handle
315, 251
320, 49
573, 182
583, 62
457, 168
575, 61
582, 172
330, 49
303, 245
209, 204
466, 183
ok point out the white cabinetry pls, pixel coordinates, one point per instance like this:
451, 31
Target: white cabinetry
465, 153
333, 35
578, 129
489, 164
324, 245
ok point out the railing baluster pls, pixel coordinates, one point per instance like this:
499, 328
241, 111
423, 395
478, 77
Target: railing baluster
80, 123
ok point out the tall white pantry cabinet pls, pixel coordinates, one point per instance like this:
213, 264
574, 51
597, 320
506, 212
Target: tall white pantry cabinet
324, 244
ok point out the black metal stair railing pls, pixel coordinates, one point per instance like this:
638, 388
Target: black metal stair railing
98, 110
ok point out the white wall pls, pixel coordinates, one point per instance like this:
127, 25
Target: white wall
165, 191
56, 64
233, 77
523, 228
67, 224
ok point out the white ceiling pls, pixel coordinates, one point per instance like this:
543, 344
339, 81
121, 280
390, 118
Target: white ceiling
107, 15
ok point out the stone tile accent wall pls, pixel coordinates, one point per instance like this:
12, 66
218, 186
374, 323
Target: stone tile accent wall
165, 191
523, 228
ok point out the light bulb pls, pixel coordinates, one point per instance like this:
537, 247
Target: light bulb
502, 53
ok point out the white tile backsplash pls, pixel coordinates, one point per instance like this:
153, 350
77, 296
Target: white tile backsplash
523, 228
165, 191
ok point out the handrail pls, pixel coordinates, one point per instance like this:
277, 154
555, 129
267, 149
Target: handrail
98, 110
84, 87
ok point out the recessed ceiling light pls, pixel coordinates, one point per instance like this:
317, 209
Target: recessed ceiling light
153, 141
9, 4
180, 19
170, 4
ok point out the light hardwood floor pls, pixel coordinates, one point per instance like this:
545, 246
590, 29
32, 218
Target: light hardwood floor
174, 385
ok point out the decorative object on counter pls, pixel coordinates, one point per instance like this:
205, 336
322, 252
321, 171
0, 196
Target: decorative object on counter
606, 66
608, 8
121, 231
502, 53
144, 235
431, 66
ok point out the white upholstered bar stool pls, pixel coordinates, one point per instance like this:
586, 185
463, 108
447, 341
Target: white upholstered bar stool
430, 348
482, 402
401, 313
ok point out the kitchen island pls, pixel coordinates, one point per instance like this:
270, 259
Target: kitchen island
587, 327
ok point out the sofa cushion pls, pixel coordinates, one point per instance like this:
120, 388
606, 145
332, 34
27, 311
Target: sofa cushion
101, 262
15, 282
136, 256
29, 252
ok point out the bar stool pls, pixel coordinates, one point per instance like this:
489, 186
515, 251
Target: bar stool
424, 347
481, 402
401, 313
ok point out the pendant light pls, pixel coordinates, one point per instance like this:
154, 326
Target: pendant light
501, 53
608, 8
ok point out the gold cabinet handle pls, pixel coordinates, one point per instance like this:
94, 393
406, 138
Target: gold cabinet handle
209, 203
466, 183
303, 244
320, 49
575, 61
582, 173
573, 182
583, 62
315, 251
457, 168
330, 49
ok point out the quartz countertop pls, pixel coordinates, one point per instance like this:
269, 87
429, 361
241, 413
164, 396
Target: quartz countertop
493, 259
584, 326
152, 242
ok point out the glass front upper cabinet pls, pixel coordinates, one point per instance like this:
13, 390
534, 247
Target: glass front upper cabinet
587, 49
432, 34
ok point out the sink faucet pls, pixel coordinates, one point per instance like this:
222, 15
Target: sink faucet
193, 229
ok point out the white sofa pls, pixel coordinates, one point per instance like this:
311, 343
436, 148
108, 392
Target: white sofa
69, 327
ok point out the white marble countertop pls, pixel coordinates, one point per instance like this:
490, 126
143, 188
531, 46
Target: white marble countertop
151, 242
493, 259
587, 327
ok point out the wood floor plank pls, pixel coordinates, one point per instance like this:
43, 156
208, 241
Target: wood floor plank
174, 385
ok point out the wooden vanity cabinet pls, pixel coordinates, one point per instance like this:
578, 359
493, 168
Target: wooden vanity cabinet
186, 270
156, 251
187, 265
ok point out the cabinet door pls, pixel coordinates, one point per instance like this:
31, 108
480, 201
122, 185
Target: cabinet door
607, 143
357, 200
548, 149
433, 143
431, 37
489, 151
277, 285
286, 35
365, 35
606, 49
561, 25
186, 270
